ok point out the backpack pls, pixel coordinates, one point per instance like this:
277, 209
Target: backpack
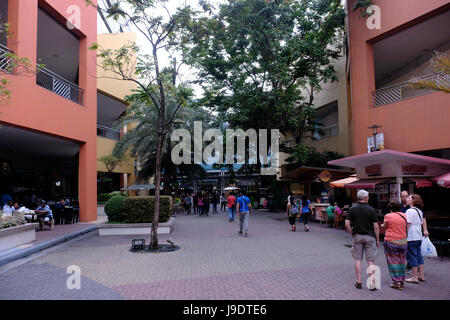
188, 201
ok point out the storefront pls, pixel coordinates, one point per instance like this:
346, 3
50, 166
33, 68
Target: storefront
386, 173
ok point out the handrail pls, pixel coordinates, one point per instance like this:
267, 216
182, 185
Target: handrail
4, 60
403, 90
57, 84
108, 132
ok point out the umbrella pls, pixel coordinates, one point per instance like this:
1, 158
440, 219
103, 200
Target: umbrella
139, 187
443, 180
231, 188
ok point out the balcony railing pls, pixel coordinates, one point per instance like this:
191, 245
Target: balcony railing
51, 81
404, 90
108, 132
5, 59
328, 131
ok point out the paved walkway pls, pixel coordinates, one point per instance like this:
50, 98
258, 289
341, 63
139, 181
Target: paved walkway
214, 263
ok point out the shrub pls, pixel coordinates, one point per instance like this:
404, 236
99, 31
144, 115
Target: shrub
141, 209
118, 193
12, 221
103, 197
114, 208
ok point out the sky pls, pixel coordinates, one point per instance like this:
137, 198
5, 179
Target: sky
187, 73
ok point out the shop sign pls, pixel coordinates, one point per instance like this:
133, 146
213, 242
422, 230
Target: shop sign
297, 188
414, 169
325, 176
373, 170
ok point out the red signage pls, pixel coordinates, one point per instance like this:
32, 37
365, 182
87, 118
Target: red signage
374, 169
414, 168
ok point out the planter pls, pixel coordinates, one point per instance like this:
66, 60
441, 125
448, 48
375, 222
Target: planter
121, 229
16, 236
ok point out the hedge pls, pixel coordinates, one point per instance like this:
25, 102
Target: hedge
114, 209
141, 209
104, 197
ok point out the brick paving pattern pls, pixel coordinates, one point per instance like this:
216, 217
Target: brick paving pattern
215, 263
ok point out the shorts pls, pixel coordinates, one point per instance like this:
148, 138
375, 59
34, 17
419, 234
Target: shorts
414, 253
364, 245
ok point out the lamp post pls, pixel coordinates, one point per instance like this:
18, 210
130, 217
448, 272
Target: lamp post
374, 128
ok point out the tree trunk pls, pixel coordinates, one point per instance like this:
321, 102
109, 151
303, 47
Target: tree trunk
160, 125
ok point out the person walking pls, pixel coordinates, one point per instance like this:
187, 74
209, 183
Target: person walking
395, 243
214, 202
362, 224
201, 203
231, 203
195, 203
305, 209
206, 202
223, 202
188, 203
243, 207
293, 211
414, 217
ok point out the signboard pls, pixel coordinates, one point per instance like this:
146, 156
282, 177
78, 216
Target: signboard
325, 176
297, 188
413, 169
380, 143
373, 170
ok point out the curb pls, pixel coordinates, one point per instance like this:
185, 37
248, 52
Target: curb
44, 245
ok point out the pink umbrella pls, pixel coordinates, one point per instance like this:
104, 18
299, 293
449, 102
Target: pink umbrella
443, 180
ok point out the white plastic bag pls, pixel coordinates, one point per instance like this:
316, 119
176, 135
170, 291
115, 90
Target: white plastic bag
428, 249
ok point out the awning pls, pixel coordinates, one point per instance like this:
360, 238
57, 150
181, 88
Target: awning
443, 180
341, 183
365, 183
422, 182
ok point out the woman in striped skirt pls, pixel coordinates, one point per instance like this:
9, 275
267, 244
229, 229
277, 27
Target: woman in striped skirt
395, 244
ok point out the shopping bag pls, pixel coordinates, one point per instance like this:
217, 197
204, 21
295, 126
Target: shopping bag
428, 249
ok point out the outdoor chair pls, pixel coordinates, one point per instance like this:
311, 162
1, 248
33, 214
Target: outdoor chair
337, 219
50, 223
440, 239
323, 216
58, 215
68, 216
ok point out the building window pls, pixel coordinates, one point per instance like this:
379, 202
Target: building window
327, 121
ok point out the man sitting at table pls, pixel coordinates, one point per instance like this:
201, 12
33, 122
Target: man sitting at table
44, 215
60, 205
24, 210
7, 208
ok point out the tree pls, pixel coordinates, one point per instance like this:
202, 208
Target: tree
12, 64
439, 82
110, 162
160, 28
261, 62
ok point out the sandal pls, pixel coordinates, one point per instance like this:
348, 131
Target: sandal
358, 285
410, 280
396, 286
422, 280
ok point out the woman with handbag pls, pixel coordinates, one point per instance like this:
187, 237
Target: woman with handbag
395, 243
293, 211
414, 216
306, 210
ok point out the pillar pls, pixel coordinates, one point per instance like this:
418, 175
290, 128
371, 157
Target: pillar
87, 182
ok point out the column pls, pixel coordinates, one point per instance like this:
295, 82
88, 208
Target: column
87, 182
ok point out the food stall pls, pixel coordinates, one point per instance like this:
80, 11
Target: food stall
386, 173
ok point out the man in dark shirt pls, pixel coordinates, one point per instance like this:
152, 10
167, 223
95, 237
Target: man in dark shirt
362, 224
404, 195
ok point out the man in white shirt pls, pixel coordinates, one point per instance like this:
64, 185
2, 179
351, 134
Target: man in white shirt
8, 209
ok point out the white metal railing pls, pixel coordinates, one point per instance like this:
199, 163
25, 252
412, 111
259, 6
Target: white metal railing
405, 90
108, 132
5, 59
53, 82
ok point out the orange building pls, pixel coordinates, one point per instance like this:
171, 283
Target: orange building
48, 134
387, 49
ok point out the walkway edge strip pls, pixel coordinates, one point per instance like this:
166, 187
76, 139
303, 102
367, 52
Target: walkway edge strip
45, 245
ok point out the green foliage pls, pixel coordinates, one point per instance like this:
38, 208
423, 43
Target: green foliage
141, 209
362, 5
276, 189
261, 62
12, 221
110, 162
303, 155
114, 208
103, 197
